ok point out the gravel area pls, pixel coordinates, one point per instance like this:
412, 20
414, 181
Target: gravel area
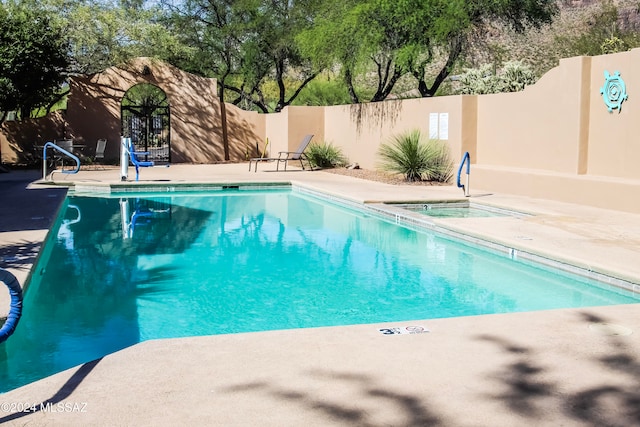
374, 175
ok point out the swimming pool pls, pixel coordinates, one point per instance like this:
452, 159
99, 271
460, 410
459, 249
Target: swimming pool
122, 269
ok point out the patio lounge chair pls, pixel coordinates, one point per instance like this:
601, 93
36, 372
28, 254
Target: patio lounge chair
100, 147
285, 156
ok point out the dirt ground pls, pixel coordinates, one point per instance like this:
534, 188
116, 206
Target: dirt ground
379, 176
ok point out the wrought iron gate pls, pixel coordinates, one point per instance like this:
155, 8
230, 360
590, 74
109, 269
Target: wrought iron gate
145, 119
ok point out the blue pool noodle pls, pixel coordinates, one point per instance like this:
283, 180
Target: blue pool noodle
16, 304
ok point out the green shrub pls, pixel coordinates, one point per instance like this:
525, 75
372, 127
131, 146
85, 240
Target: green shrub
323, 92
409, 155
613, 44
325, 155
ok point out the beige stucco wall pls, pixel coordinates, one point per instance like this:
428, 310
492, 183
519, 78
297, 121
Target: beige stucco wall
360, 129
553, 140
93, 112
277, 132
18, 140
193, 104
196, 125
557, 140
538, 128
614, 149
246, 130
304, 121
285, 130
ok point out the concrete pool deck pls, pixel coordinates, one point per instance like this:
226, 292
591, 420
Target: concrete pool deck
572, 367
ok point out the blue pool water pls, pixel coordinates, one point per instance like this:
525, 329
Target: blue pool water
118, 271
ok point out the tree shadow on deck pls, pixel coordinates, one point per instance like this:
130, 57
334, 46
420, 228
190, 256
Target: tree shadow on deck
19, 255
614, 402
414, 410
530, 388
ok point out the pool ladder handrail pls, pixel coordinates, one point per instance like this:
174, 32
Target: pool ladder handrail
15, 290
61, 150
465, 159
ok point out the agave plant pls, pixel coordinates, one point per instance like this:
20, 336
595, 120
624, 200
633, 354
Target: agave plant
325, 155
409, 155
440, 162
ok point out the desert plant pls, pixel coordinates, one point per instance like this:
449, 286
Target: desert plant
325, 155
613, 44
440, 163
409, 155
478, 81
514, 76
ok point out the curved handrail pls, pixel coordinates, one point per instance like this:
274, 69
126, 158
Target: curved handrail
16, 304
63, 151
465, 159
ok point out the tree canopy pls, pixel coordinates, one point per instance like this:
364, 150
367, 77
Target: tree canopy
398, 37
245, 43
33, 58
104, 33
265, 53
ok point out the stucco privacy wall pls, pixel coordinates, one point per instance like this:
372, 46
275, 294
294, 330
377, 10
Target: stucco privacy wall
245, 129
360, 129
561, 141
93, 112
554, 140
277, 132
614, 138
196, 131
538, 128
285, 130
19, 138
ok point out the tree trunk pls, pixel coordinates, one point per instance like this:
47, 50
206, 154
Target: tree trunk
281, 88
223, 122
348, 78
385, 88
455, 49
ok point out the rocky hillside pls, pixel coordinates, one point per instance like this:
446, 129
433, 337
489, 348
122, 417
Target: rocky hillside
628, 10
579, 29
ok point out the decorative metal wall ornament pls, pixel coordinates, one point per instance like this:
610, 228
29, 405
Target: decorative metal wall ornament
614, 91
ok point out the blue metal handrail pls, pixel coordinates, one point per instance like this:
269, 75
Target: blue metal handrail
16, 304
465, 159
63, 151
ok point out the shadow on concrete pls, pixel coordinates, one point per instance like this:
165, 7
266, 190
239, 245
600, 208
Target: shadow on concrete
21, 255
65, 391
413, 409
610, 405
614, 403
26, 208
526, 389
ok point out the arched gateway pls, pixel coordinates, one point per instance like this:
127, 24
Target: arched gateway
174, 115
145, 118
